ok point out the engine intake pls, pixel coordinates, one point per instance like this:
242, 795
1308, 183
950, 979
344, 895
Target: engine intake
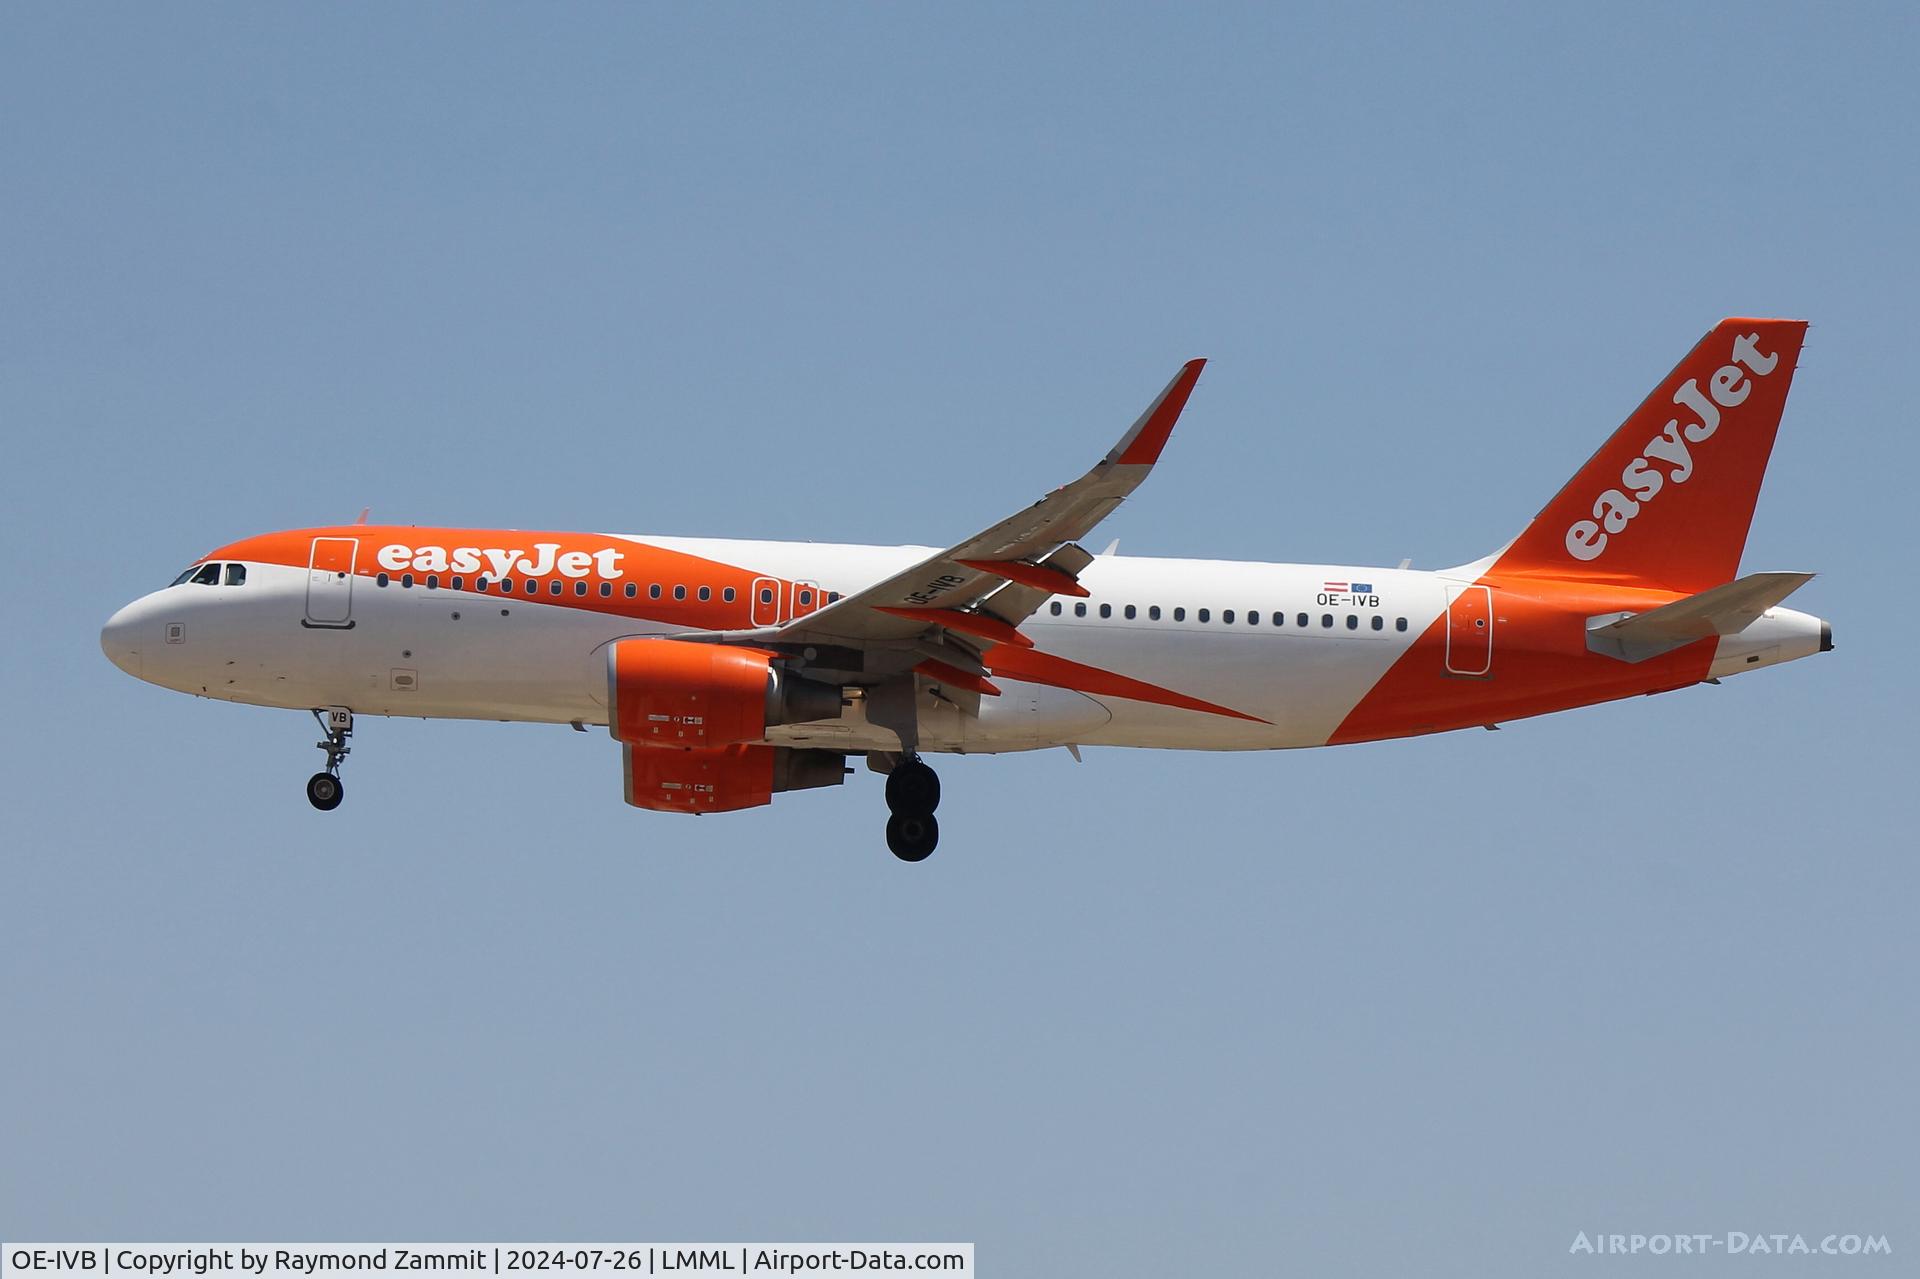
671, 693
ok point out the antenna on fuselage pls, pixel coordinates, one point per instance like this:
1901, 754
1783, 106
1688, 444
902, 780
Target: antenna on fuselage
364, 512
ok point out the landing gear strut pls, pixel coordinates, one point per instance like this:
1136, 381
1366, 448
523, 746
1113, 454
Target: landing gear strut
324, 790
913, 792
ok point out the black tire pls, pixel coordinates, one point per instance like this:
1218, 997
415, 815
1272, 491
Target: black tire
913, 838
912, 787
325, 792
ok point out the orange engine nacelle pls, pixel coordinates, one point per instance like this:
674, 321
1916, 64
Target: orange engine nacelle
725, 779
671, 693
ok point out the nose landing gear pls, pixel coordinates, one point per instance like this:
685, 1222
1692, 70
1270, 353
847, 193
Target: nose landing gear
324, 790
913, 792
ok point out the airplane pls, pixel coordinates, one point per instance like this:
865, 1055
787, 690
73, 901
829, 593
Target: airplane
731, 671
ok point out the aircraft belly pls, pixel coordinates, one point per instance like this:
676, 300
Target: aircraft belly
439, 654
1025, 717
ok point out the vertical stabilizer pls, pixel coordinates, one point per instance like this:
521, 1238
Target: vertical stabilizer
1667, 501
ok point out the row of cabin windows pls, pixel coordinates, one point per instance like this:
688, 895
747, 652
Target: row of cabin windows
1227, 615
531, 586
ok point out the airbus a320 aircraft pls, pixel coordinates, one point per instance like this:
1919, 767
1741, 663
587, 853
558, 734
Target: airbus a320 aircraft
732, 671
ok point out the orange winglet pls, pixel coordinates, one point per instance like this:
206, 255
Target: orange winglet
1143, 449
958, 678
1038, 576
953, 619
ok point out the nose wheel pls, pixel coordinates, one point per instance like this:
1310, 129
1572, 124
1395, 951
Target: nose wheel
324, 789
325, 792
913, 792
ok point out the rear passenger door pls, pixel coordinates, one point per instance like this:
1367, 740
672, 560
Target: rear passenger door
1469, 630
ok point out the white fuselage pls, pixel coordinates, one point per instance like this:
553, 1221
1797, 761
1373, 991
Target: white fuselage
1271, 642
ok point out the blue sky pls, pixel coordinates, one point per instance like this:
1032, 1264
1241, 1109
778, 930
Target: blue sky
886, 274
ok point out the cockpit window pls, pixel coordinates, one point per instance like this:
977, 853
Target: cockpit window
207, 575
184, 575
236, 575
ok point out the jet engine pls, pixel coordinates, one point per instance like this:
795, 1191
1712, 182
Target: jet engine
725, 778
671, 693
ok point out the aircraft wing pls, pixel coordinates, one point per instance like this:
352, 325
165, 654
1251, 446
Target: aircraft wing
979, 591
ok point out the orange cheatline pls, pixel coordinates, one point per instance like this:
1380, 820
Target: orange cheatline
1036, 667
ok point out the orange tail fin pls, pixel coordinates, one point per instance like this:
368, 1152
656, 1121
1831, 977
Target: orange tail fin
1668, 500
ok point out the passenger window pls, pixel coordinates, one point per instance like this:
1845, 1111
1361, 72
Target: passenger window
406, 580
653, 592
1399, 623
433, 581
381, 580
236, 575
726, 596
1180, 614
459, 582
1301, 620
706, 593
1204, 615
1353, 623
579, 588
1378, 621
606, 589
1153, 612
209, 575
766, 595
555, 587
1326, 619
633, 589
1253, 617
1226, 616
479, 583
679, 592
1130, 612
506, 586
806, 598
1079, 610
1054, 608
1106, 610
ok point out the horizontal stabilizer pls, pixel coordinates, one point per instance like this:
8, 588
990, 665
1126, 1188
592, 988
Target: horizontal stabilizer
1724, 610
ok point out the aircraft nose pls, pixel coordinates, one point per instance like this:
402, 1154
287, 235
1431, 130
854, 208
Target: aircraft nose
120, 640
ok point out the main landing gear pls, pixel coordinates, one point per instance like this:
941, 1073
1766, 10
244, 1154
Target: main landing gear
324, 790
913, 792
